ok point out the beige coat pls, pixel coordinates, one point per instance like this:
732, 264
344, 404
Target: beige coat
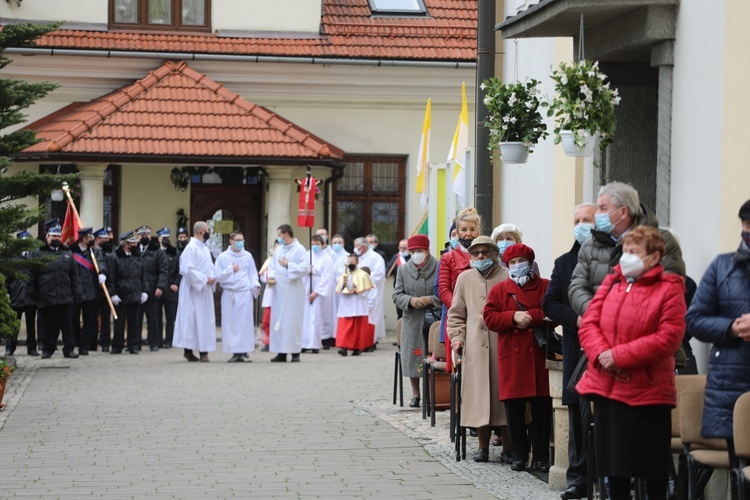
480, 400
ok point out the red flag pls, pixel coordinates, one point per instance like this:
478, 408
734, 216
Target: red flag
306, 212
70, 227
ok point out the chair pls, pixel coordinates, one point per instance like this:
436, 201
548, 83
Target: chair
681, 485
741, 433
428, 359
433, 365
398, 374
703, 455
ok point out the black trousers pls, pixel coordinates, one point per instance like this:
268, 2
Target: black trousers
52, 320
579, 419
105, 323
167, 314
30, 312
129, 313
150, 309
86, 334
540, 428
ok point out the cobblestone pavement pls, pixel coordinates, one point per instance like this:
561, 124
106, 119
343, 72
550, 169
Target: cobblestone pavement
156, 426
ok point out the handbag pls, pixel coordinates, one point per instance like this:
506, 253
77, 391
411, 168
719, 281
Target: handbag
577, 373
551, 343
430, 316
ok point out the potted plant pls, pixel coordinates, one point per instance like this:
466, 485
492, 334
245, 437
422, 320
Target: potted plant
583, 107
5, 371
514, 120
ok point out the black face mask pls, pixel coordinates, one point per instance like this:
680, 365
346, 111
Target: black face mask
206, 236
466, 243
90, 244
352, 267
107, 247
55, 243
145, 240
165, 242
181, 244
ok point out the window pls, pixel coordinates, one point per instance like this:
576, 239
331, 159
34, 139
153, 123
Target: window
398, 7
189, 15
369, 198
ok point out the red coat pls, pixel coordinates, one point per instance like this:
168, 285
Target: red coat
452, 264
521, 362
643, 324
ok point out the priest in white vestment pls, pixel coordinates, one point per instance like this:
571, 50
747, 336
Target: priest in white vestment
289, 266
195, 326
340, 259
316, 314
372, 260
238, 276
328, 314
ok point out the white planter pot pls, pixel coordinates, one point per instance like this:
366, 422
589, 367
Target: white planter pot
513, 152
569, 145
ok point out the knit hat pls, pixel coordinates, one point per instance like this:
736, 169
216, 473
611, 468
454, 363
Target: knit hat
507, 228
745, 211
418, 242
518, 250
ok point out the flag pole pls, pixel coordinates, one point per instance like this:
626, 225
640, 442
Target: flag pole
72, 205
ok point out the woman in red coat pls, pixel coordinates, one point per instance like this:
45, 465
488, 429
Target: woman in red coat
630, 333
513, 310
455, 262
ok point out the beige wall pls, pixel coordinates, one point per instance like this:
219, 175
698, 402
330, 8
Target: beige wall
262, 15
76, 11
148, 197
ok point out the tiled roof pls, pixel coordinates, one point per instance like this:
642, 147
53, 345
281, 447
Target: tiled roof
175, 111
348, 30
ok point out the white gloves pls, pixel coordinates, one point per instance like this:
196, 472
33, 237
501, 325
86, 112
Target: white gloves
116, 300
144, 297
102, 278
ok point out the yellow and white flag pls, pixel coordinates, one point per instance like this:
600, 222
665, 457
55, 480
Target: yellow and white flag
457, 153
423, 159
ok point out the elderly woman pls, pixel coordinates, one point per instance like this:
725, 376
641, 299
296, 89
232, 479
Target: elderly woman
508, 234
514, 310
630, 332
413, 294
480, 404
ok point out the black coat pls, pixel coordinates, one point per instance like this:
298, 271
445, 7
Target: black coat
556, 306
55, 284
125, 276
173, 274
155, 267
395, 269
89, 281
19, 289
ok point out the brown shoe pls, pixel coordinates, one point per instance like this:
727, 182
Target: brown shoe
190, 356
204, 358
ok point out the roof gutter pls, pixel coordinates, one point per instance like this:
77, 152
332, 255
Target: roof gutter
195, 56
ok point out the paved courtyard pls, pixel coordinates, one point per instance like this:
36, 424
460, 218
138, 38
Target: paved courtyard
156, 426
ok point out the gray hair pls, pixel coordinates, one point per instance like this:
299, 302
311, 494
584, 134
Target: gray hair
374, 237
623, 195
587, 205
360, 242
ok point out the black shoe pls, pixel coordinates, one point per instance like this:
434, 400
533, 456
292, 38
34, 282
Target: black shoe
314, 351
343, 352
295, 358
482, 455
574, 492
167, 346
32, 352
370, 349
472, 432
105, 348
70, 355
134, 351
190, 356
46, 354
506, 458
116, 351
541, 466
237, 358
305, 350
518, 465
83, 352
8, 351
154, 348
356, 352
280, 358
414, 403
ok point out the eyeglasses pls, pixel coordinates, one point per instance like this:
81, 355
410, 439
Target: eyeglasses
476, 253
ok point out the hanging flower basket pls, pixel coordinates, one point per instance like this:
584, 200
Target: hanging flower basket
513, 118
568, 139
584, 104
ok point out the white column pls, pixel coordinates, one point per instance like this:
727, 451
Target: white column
92, 195
279, 199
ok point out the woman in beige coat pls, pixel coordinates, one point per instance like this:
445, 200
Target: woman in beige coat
480, 402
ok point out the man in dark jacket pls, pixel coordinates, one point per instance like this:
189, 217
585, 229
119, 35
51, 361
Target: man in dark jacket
23, 303
557, 307
53, 287
128, 288
86, 297
720, 315
168, 300
155, 270
102, 250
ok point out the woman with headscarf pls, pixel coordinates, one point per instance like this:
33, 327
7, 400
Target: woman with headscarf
514, 310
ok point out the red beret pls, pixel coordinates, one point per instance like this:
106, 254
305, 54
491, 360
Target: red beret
418, 241
518, 250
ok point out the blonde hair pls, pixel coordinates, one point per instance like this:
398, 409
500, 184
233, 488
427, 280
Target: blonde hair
468, 214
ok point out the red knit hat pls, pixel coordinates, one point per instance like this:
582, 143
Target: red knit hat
419, 241
519, 250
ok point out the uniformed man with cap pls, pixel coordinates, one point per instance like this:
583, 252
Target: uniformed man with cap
168, 300
53, 287
22, 303
127, 287
155, 269
102, 249
103, 241
183, 238
86, 298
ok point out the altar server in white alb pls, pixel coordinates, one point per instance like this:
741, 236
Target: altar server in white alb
316, 305
195, 327
339, 260
238, 276
328, 315
289, 266
372, 260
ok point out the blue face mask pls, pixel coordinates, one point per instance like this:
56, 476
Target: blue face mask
746, 237
372, 246
482, 265
337, 247
503, 245
316, 248
582, 232
603, 222
454, 242
280, 240
239, 245
519, 270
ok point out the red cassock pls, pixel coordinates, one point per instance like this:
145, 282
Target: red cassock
354, 333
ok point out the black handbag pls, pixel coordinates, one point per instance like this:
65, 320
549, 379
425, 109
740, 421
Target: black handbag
577, 373
430, 316
551, 343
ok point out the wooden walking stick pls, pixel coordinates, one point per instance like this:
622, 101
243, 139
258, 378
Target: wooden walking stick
66, 189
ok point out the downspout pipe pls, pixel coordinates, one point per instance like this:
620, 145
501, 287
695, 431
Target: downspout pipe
485, 69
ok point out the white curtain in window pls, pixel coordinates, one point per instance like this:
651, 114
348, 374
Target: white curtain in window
194, 12
126, 11
159, 11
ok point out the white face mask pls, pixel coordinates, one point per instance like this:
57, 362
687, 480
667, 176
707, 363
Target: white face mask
631, 265
418, 258
357, 251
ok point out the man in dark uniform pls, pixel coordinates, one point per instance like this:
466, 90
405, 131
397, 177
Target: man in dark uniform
127, 287
22, 302
86, 297
183, 237
102, 249
168, 300
155, 270
53, 287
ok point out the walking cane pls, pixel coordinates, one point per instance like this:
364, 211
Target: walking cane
93, 257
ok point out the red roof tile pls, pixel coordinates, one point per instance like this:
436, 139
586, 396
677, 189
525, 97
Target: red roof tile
348, 30
175, 111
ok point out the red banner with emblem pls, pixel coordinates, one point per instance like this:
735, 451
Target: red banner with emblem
306, 207
70, 227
